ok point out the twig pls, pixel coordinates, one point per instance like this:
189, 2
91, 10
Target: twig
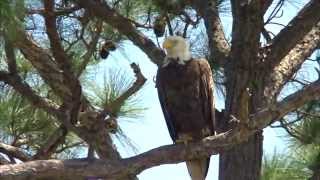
11, 59
136, 86
169, 25
90, 48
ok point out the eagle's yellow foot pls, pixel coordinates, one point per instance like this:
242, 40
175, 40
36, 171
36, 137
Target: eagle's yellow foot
184, 138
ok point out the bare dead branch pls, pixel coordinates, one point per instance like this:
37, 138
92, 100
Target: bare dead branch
294, 32
275, 11
171, 32
65, 147
291, 132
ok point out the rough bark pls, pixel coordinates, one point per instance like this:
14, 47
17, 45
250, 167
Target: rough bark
294, 32
291, 63
218, 44
240, 73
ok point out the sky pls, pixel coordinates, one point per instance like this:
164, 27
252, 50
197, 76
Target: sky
150, 131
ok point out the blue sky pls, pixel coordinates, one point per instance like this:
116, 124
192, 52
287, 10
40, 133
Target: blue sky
150, 131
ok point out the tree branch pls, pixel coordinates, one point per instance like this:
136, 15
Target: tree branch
11, 59
90, 49
218, 43
136, 86
63, 61
26, 91
164, 154
41, 61
14, 152
289, 65
266, 5
51, 27
294, 32
124, 26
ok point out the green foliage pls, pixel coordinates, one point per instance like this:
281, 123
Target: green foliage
21, 121
115, 82
11, 16
304, 147
282, 166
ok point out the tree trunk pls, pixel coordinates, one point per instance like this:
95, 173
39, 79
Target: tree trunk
242, 162
315, 174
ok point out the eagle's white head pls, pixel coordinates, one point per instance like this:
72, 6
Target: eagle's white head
177, 49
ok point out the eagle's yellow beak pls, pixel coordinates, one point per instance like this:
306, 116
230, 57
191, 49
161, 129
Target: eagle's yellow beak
167, 44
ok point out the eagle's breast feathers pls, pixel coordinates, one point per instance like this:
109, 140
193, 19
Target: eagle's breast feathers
186, 96
185, 90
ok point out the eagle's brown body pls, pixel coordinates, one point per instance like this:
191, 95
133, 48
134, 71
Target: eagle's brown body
187, 101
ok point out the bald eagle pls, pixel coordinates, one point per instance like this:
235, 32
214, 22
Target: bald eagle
185, 91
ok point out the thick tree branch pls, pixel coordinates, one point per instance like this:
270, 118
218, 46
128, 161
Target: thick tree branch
14, 152
292, 62
124, 26
55, 41
294, 32
218, 43
165, 154
63, 61
63, 83
45, 66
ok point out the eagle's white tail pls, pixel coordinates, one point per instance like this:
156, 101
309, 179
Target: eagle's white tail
198, 168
